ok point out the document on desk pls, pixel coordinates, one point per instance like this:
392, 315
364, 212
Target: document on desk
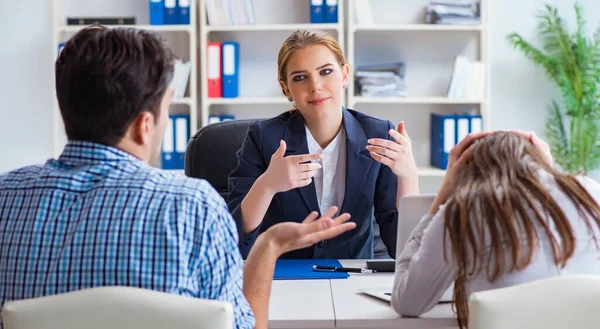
302, 269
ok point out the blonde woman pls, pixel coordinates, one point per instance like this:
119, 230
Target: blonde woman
503, 216
315, 157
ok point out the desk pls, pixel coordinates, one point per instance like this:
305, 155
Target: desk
328, 304
301, 304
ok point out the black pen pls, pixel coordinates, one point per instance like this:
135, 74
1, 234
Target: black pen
342, 269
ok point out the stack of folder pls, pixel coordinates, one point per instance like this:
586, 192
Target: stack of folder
453, 12
381, 80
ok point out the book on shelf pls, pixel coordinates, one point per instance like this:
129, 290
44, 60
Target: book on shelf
230, 12
181, 76
101, 20
381, 80
222, 65
169, 12
447, 130
453, 12
174, 142
467, 80
323, 11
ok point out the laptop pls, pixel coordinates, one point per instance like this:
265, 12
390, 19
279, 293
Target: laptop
411, 208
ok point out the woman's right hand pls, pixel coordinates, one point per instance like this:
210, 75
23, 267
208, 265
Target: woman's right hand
287, 173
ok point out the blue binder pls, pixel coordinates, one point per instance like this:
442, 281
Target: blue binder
331, 11
231, 64
60, 47
182, 137
476, 124
443, 138
301, 269
184, 11
171, 12
167, 154
463, 126
157, 12
317, 13
226, 117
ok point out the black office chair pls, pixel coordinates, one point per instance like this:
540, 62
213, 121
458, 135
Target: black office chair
211, 152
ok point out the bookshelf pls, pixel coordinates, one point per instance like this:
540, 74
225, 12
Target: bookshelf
181, 38
398, 34
259, 92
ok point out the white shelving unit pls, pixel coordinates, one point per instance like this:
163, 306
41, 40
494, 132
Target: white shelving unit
181, 38
399, 34
260, 94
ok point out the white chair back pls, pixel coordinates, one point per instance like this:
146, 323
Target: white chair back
117, 307
411, 208
571, 301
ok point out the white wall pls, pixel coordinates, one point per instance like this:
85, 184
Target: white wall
520, 90
25, 82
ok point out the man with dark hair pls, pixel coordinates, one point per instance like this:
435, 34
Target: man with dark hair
100, 215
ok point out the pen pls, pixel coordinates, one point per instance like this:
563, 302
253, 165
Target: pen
342, 269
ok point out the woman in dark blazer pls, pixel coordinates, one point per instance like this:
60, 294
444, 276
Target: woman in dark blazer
321, 157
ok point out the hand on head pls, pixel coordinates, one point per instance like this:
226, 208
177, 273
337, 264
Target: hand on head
464, 149
289, 172
288, 236
539, 143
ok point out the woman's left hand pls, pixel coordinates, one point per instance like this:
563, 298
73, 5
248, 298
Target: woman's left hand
396, 155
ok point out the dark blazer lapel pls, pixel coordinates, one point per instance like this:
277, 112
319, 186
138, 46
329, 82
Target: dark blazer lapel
295, 139
358, 161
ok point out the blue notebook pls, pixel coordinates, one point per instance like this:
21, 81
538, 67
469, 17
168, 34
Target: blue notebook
301, 269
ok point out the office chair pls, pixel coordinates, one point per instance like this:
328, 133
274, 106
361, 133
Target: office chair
570, 301
211, 152
117, 307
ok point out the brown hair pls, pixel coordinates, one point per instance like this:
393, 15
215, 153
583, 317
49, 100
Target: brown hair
301, 39
498, 195
105, 77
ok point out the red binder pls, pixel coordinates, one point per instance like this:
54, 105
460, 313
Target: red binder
214, 64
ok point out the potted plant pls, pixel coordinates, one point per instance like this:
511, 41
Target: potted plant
572, 61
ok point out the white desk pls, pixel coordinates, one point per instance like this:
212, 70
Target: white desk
328, 304
356, 310
301, 304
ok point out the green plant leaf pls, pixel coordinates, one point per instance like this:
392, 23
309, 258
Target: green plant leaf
557, 136
572, 61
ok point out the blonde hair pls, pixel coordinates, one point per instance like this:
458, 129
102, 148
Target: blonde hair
301, 39
499, 184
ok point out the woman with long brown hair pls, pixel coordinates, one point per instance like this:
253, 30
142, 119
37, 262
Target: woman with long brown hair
503, 216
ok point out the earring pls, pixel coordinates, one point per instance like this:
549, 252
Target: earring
345, 86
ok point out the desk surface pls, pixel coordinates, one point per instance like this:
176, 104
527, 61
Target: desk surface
301, 304
357, 310
337, 304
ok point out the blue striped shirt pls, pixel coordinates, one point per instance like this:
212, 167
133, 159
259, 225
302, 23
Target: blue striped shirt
98, 216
